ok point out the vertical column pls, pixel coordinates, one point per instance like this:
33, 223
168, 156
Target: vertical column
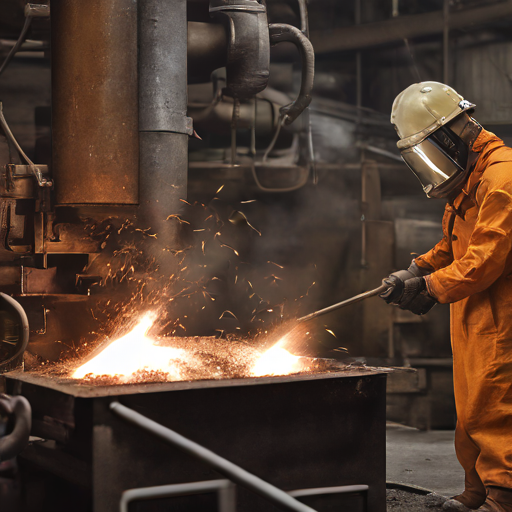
94, 101
378, 248
163, 125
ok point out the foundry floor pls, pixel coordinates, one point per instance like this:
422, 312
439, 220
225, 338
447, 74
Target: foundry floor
423, 459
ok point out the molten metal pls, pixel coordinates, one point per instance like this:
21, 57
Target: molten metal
276, 361
132, 353
135, 352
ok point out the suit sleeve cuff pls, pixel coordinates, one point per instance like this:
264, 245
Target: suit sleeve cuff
429, 282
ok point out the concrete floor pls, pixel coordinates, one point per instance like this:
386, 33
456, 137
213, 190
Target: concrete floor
423, 459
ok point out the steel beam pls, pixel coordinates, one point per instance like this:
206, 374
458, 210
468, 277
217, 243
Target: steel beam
396, 29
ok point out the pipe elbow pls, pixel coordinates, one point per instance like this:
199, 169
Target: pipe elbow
18, 407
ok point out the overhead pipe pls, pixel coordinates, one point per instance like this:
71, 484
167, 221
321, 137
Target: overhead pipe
286, 33
399, 28
206, 50
217, 117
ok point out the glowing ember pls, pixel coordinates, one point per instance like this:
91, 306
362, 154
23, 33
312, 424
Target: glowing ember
134, 352
276, 361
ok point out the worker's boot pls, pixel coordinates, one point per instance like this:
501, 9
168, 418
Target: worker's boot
499, 499
473, 496
464, 502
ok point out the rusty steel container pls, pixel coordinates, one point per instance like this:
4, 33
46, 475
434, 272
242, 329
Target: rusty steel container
310, 431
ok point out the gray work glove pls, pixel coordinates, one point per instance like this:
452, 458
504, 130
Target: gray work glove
408, 290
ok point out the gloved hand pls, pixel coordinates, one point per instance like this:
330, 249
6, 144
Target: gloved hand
418, 271
416, 297
408, 290
396, 282
392, 295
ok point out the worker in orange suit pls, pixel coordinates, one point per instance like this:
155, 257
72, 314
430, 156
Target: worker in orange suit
471, 268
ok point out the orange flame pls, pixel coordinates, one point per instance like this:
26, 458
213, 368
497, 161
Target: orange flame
276, 361
133, 352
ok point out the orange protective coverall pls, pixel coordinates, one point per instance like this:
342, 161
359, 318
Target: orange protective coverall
473, 272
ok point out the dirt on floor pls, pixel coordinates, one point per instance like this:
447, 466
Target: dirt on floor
403, 501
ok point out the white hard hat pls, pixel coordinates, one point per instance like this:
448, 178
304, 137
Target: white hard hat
437, 155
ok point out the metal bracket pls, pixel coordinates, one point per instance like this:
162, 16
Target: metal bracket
45, 313
37, 11
35, 169
19, 172
174, 123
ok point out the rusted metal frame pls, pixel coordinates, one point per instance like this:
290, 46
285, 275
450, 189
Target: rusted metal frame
78, 389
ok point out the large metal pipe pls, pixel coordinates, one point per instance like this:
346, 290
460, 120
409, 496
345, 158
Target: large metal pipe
163, 123
207, 50
94, 101
217, 118
163, 67
405, 27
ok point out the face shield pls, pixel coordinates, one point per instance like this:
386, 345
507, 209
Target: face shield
439, 162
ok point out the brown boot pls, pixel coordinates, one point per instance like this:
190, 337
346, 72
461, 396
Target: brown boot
464, 502
473, 496
499, 499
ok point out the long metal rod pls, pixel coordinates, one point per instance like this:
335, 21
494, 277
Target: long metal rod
318, 491
348, 302
223, 466
17, 46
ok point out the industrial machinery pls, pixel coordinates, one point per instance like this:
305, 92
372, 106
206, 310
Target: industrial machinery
93, 237
101, 217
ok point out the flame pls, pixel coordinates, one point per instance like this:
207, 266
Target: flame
133, 352
276, 361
